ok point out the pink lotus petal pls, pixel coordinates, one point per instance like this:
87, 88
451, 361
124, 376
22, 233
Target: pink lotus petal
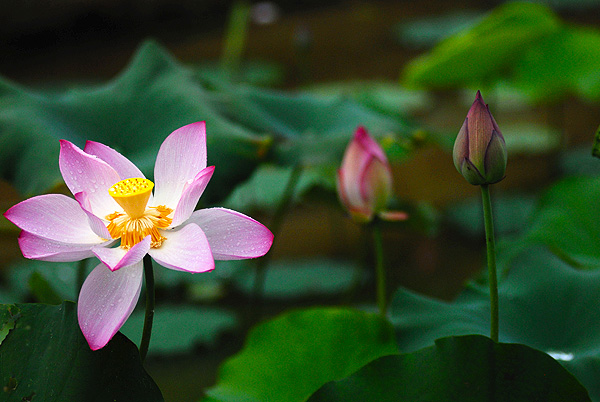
53, 217
369, 145
190, 196
87, 173
354, 164
186, 249
124, 167
375, 185
38, 248
96, 224
106, 300
180, 158
232, 235
117, 257
393, 216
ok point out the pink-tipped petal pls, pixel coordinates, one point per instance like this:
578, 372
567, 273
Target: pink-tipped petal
232, 235
117, 257
124, 167
87, 173
180, 158
369, 145
190, 196
186, 249
106, 300
356, 159
96, 224
54, 217
38, 248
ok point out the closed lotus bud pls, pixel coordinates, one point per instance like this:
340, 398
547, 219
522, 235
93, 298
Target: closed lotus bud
479, 150
365, 178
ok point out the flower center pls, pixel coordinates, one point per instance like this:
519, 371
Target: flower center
138, 221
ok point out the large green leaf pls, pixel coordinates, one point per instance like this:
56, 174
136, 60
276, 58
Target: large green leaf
567, 222
486, 52
565, 62
290, 357
45, 357
544, 303
133, 113
309, 129
459, 369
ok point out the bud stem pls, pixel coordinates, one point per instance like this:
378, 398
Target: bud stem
379, 266
149, 316
491, 259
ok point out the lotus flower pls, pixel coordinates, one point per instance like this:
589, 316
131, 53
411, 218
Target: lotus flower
479, 150
116, 218
365, 180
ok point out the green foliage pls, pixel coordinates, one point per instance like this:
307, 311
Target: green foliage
544, 304
385, 97
596, 147
310, 129
511, 214
290, 357
459, 369
42, 279
303, 278
42, 289
264, 190
566, 222
521, 43
45, 357
481, 54
154, 95
133, 113
259, 73
177, 329
428, 31
564, 62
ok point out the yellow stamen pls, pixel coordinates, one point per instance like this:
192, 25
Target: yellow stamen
138, 221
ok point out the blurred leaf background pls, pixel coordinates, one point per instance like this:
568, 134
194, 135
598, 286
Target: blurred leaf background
128, 76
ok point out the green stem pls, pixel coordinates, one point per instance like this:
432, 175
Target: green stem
149, 317
235, 38
491, 259
275, 226
379, 268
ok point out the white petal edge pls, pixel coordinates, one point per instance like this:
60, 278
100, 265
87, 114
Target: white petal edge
54, 217
180, 158
186, 249
90, 174
124, 167
190, 196
116, 257
106, 300
231, 234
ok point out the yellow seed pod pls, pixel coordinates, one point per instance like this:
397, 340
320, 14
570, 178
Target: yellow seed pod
132, 195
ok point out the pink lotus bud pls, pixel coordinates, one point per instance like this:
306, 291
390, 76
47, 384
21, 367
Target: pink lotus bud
479, 150
365, 179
